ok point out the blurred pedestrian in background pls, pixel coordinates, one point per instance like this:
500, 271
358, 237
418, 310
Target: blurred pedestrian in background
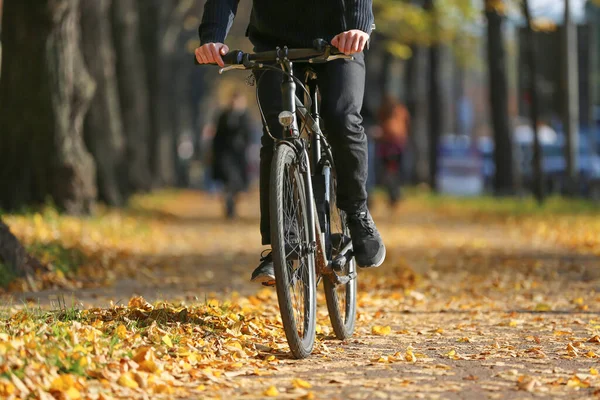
230, 144
394, 122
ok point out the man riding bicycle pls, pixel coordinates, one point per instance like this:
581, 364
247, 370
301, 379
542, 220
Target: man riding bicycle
296, 24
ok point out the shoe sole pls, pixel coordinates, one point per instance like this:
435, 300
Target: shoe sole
265, 280
377, 263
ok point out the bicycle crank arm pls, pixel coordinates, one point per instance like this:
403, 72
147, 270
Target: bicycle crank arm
344, 256
340, 261
344, 279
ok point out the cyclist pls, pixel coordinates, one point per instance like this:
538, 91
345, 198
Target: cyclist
346, 24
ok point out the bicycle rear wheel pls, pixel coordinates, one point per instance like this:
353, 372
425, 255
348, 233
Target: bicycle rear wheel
341, 299
294, 263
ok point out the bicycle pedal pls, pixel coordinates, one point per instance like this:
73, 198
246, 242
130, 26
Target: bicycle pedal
341, 260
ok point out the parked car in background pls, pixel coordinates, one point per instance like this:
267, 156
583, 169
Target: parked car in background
554, 165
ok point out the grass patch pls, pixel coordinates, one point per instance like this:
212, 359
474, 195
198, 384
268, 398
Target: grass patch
64, 259
6, 275
505, 206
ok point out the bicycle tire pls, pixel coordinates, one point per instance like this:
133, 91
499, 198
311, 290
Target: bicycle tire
341, 299
288, 204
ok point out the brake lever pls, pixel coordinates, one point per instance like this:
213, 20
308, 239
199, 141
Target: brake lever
231, 68
340, 56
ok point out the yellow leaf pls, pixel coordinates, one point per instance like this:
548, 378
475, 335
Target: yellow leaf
513, 323
270, 358
143, 353
128, 380
590, 354
121, 331
271, 392
7, 389
451, 353
575, 382
73, 394
593, 371
163, 388
213, 303
149, 366
201, 388
381, 330
410, 356
301, 384
542, 307
62, 383
167, 340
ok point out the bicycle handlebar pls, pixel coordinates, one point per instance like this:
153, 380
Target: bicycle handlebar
321, 48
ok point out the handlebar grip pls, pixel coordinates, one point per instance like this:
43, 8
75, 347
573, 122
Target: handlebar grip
321, 45
234, 57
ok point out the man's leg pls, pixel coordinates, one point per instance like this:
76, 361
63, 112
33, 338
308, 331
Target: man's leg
342, 84
269, 94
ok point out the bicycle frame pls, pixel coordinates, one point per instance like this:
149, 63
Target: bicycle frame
314, 168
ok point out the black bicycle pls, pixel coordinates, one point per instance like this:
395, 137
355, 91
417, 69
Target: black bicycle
309, 234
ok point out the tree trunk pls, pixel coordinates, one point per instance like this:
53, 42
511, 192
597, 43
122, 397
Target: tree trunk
13, 256
416, 83
45, 92
570, 85
435, 102
538, 174
103, 125
504, 174
154, 14
133, 92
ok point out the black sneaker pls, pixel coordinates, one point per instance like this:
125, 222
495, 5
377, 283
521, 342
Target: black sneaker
369, 250
265, 272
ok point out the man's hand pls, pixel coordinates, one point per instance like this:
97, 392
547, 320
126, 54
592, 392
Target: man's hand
211, 53
351, 42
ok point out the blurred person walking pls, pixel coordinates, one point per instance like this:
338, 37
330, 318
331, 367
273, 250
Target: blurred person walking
394, 122
230, 144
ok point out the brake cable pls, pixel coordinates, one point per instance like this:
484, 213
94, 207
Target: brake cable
280, 70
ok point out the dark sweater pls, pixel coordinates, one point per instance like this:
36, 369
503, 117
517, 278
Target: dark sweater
294, 23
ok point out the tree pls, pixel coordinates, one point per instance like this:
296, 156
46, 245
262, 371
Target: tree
41, 145
538, 175
435, 99
419, 29
103, 124
133, 92
504, 175
570, 84
162, 23
14, 259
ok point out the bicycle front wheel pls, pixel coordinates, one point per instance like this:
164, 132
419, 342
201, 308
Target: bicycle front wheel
293, 260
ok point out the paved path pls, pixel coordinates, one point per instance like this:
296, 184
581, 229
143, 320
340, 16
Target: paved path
476, 309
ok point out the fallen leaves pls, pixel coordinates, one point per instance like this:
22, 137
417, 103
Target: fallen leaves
271, 392
301, 384
381, 330
528, 383
474, 306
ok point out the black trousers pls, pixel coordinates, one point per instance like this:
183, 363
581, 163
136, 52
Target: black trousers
341, 84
